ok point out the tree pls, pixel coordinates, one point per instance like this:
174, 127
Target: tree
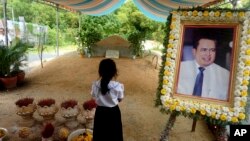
93, 29
131, 19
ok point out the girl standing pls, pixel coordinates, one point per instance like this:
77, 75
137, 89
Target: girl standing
108, 93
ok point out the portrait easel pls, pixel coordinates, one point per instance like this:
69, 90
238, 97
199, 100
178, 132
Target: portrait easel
220, 133
216, 111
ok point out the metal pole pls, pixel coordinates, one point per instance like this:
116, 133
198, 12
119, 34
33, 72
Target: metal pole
80, 18
12, 11
79, 30
5, 22
57, 30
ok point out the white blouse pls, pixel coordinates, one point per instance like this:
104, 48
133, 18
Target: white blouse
116, 91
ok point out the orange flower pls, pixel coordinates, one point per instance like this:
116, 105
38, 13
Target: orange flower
195, 13
163, 91
166, 72
213, 114
173, 19
217, 14
245, 82
248, 41
203, 112
242, 104
205, 13
172, 107
184, 13
168, 63
241, 14
229, 14
246, 72
182, 108
234, 119
244, 93
248, 52
168, 55
172, 26
242, 116
223, 117
171, 36
247, 62
171, 46
165, 82
193, 110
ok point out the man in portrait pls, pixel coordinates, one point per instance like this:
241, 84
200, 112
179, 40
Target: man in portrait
201, 76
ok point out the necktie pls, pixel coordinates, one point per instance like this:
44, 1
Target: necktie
198, 82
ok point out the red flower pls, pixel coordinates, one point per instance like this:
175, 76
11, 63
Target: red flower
89, 105
48, 130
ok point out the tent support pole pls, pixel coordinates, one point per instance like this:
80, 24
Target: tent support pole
57, 31
5, 22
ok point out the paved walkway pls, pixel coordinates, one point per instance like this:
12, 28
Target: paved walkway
34, 60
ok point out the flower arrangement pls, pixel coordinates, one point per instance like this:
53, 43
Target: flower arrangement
46, 102
47, 130
24, 132
71, 103
214, 113
47, 108
63, 133
24, 101
89, 105
25, 107
69, 108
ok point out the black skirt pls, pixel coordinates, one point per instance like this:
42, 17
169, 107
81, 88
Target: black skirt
107, 124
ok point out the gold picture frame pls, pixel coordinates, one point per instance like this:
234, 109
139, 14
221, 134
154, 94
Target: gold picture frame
233, 24
214, 89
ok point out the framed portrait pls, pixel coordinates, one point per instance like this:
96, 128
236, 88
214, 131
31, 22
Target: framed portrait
206, 68
212, 47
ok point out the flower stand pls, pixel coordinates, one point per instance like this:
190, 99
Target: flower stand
26, 112
70, 114
89, 116
47, 112
47, 139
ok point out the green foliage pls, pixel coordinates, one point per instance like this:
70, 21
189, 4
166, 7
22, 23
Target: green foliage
122, 22
136, 39
29, 27
93, 29
131, 19
51, 40
88, 38
107, 24
11, 58
137, 27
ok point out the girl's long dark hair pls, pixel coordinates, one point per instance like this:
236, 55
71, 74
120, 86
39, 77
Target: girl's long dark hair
107, 70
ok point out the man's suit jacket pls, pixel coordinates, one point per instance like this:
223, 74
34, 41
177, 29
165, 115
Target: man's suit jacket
215, 81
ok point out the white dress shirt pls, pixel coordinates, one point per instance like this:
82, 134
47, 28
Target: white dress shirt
116, 91
215, 81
